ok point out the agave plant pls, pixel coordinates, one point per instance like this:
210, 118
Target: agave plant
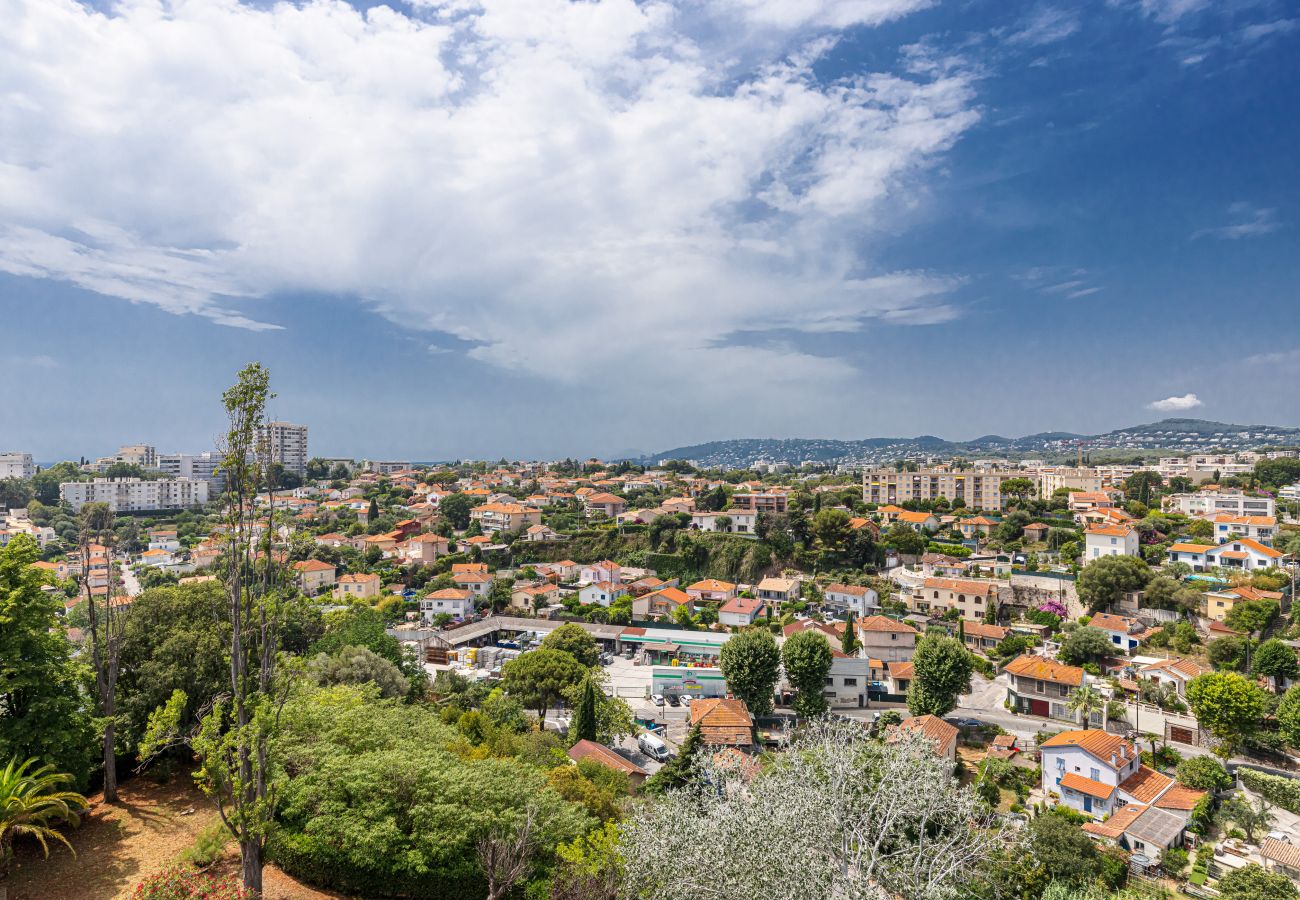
32, 801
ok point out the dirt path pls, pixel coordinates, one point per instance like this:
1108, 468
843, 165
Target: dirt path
118, 846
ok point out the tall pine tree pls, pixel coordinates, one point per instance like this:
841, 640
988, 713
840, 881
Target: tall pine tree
849, 642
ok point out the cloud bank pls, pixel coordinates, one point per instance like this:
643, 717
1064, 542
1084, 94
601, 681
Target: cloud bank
551, 183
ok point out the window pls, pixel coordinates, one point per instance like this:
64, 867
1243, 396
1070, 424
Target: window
830, 682
893, 637
1040, 687
1094, 774
850, 682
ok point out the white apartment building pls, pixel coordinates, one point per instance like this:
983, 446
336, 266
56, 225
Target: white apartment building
135, 494
382, 466
1206, 504
195, 467
286, 444
16, 465
1052, 478
979, 489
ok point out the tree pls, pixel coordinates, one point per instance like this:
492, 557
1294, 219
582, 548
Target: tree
1084, 702
1254, 882
455, 509
849, 641
1083, 645
1275, 660
42, 708
1202, 529
1288, 716
904, 540
1228, 652
1250, 818
1229, 705
1019, 489
359, 665
32, 800
1107, 579
538, 678
574, 640
831, 529
1166, 593
1142, 486
107, 622
1204, 773
751, 663
1063, 849
1252, 615
506, 857
15, 493
582, 726
941, 673
882, 820
234, 741
807, 657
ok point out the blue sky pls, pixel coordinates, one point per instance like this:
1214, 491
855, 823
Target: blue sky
538, 228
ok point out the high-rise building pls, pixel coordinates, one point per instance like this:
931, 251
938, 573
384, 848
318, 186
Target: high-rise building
196, 467
978, 489
16, 465
286, 444
135, 494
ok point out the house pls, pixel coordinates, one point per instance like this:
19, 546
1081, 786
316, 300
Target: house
534, 596
978, 636
1085, 769
158, 558
565, 571
1042, 687
1035, 532
943, 565
610, 758
723, 722
164, 539
1281, 856
712, 589
602, 593
938, 595
603, 504
1244, 554
662, 604
454, 602
469, 568
600, 571
778, 590
740, 611
935, 730
1110, 540
736, 521
358, 586
542, 533
477, 583
886, 639
1124, 632
977, 527
1083, 501
1177, 672
1148, 830
1257, 528
918, 521
384, 543
423, 548
1190, 554
494, 517
314, 576
1217, 604
861, 601
889, 514
900, 675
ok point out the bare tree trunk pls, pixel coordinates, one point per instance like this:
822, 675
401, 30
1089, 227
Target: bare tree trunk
250, 854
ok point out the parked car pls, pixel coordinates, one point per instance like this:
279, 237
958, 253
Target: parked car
606, 659
674, 700
657, 699
686, 700
653, 747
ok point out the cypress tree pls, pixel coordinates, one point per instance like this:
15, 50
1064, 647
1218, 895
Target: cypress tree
849, 642
583, 724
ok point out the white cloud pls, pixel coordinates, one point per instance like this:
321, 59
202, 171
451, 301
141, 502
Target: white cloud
1045, 25
1165, 11
1176, 404
35, 361
552, 182
1248, 221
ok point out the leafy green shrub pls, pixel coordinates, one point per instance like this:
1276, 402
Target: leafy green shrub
208, 846
1283, 792
1174, 860
177, 884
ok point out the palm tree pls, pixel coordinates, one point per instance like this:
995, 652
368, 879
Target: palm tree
31, 801
1084, 702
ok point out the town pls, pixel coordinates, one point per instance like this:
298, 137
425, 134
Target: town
1090, 668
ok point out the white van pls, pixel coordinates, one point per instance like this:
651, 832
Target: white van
653, 747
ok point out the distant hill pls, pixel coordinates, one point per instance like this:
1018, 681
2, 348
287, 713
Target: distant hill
1171, 435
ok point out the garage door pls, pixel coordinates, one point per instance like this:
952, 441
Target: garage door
1181, 735
1039, 708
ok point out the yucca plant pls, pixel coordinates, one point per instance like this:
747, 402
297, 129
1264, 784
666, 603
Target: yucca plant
32, 801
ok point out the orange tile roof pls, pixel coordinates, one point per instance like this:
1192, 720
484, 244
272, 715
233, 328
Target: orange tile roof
1118, 823
449, 594
1109, 530
1256, 546
313, 565
1043, 669
1086, 786
885, 624
1098, 743
1183, 547
712, 584
917, 517
723, 720
901, 670
1146, 784
586, 749
933, 728
1180, 796
961, 585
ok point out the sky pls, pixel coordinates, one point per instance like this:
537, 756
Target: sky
540, 228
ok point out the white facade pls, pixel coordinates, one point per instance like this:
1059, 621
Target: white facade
862, 601
195, 467
1061, 761
286, 445
135, 494
16, 465
1213, 503
1110, 540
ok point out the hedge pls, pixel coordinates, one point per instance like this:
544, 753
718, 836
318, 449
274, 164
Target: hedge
315, 862
1283, 792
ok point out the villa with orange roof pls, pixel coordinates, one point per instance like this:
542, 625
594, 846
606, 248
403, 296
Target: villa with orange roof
314, 576
1244, 554
662, 604
712, 589
1217, 604
1042, 686
1116, 539
358, 586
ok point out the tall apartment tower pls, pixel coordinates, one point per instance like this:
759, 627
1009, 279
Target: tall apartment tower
16, 465
287, 444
